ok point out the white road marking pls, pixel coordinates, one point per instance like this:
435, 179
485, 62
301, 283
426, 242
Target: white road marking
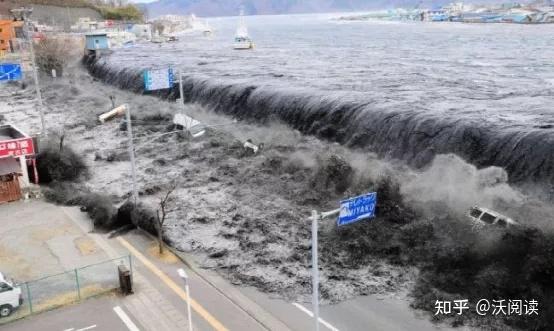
125, 318
309, 313
87, 328
82, 329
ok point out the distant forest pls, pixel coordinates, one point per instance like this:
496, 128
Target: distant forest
109, 9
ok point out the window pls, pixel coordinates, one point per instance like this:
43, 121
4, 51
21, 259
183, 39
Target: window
502, 222
488, 218
5, 287
474, 212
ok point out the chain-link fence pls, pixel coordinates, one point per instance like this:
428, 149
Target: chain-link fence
68, 287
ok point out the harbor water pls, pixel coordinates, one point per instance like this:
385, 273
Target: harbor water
406, 90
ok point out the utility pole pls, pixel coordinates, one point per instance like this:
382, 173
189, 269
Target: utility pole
131, 153
26, 12
182, 98
316, 217
315, 271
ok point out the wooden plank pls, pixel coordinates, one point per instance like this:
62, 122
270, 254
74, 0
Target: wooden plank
10, 190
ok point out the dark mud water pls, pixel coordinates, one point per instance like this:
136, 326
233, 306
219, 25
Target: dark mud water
246, 215
403, 90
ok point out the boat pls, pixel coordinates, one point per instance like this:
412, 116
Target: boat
208, 31
242, 40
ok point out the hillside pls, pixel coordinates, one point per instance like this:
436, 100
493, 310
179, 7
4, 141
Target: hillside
67, 12
262, 7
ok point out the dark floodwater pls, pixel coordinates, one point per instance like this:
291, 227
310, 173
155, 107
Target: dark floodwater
407, 90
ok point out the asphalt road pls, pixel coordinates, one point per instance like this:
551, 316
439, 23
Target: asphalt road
95, 314
159, 296
359, 314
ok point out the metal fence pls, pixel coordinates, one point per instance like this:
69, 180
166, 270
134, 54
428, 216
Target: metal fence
68, 287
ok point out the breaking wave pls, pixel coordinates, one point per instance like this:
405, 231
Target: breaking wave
413, 136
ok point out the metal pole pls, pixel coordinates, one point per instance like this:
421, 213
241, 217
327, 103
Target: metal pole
78, 285
131, 152
315, 271
35, 74
182, 273
29, 298
189, 313
182, 97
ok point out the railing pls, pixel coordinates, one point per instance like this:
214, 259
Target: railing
71, 286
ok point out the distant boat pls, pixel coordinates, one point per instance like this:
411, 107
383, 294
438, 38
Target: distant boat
242, 40
208, 31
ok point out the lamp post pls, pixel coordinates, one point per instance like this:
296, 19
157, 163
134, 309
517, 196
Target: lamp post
130, 146
185, 277
131, 153
24, 13
315, 218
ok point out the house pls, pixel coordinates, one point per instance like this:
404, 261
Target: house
16, 150
97, 41
142, 31
84, 24
7, 35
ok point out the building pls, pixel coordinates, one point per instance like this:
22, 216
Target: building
85, 24
16, 151
142, 31
97, 41
7, 35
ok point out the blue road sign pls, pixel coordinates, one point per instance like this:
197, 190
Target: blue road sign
10, 71
158, 79
356, 209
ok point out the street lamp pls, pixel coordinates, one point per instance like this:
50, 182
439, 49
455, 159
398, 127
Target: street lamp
185, 278
24, 14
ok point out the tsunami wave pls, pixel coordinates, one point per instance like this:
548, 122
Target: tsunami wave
412, 136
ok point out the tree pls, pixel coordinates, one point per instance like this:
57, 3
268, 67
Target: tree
55, 53
165, 200
159, 27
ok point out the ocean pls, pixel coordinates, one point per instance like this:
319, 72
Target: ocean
405, 90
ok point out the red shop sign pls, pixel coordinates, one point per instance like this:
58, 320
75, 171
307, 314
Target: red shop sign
17, 147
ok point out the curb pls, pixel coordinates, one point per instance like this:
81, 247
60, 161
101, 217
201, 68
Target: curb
252, 309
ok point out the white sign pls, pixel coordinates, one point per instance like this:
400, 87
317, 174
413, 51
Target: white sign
158, 79
356, 209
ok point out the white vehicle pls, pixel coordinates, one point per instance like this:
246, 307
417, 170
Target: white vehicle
192, 126
482, 216
10, 296
242, 40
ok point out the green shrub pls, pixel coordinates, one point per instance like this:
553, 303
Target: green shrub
99, 207
54, 164
139, 215
125, 13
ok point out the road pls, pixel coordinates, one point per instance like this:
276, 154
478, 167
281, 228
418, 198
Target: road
359, 314
159, 302
95, 314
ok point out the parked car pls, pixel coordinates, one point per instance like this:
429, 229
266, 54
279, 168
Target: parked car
10, 296
484, 216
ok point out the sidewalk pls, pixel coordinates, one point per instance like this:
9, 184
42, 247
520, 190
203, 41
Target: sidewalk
159, 302
147, 304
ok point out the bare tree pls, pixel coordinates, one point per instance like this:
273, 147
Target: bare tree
56, 53
159, 27
162, 212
